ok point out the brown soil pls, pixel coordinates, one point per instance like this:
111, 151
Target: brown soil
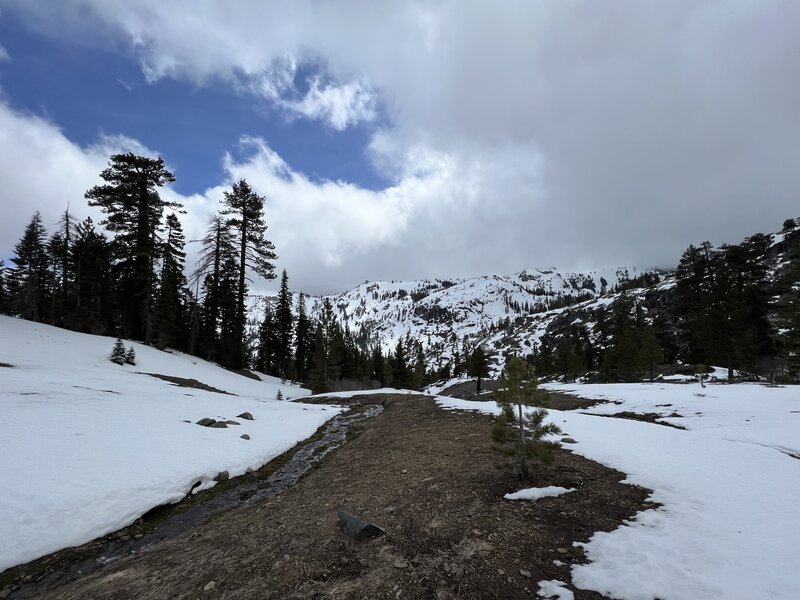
646, 417
556, 400
430, 479
188, 383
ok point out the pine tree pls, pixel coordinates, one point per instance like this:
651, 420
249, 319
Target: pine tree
401, 375
521, 436
118, 352
267, 344
245, 212
216, 247
130, 356
170, 310
304, 341
284, 327
28, 281
230, 345
478, 366
650, 353
378, 366
133, 209
419, 368
92, 308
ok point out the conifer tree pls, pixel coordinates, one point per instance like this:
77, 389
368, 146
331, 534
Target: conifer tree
304, 341
478, 366
130, 356
378, 366
118, 352
28, 281
401, 374
267, 344
133, 209
650, 353
216, 247
522, 436
284, 327
92, 308
420, 374
245, 212
170, 321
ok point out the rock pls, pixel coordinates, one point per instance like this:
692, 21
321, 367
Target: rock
229, 422
5, 593
246, 416
124, 538
358, 529
222, 476
244, 436
525, 573
568, 440
562, 550
219, 425
400, 564
206, 422
209, 586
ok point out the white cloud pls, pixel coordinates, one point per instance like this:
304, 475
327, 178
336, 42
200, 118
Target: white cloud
338, 105
571, 133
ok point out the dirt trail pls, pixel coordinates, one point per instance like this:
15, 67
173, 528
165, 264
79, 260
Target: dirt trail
430, 479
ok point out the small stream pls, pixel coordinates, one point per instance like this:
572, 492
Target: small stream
157, 526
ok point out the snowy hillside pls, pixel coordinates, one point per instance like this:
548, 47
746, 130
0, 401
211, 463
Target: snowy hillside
89, 445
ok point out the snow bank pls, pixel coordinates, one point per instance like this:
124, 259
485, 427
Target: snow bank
89, 446
727, 527
536, 493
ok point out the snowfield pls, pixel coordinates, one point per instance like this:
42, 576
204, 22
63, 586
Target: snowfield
89, 446
728, 486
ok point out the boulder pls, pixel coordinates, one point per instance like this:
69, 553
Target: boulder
246, 416
222, 476
229, 422
357, 529
219, 425
244, 436
206, 422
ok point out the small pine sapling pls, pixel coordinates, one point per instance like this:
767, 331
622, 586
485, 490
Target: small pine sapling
522, 436
118, 352
279, 395
130, 357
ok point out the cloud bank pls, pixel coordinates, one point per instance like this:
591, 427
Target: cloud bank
516, 134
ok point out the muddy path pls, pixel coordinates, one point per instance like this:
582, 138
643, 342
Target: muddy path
34, 579
429, 478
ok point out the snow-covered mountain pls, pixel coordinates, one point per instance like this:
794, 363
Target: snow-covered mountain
444, 313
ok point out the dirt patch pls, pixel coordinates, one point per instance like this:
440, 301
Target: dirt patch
188, 383
556, 400
425, 475
646, 417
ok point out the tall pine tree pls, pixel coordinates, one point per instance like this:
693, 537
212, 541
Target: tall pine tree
29, 280
284, 328
245, 212
133, 209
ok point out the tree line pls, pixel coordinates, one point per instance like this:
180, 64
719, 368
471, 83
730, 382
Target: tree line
129, 280
729, 307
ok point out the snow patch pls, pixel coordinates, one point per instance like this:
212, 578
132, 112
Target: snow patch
536, 493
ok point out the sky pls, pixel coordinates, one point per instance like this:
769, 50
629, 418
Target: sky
411, 139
